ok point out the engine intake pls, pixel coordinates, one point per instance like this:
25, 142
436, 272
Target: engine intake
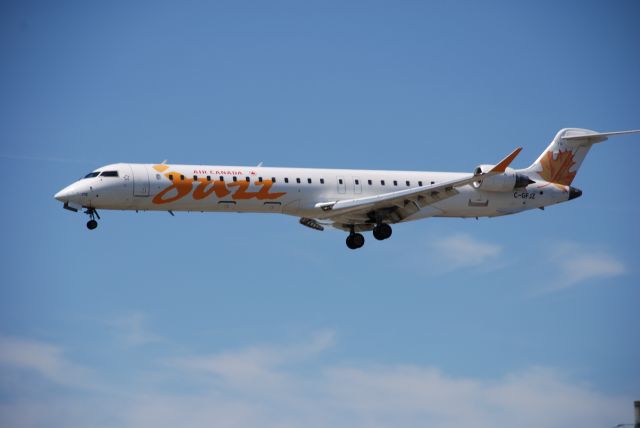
503, 182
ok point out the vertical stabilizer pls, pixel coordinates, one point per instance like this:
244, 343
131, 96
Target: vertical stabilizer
560, 162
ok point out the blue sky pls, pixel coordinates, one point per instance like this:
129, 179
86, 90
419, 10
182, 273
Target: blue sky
253, 320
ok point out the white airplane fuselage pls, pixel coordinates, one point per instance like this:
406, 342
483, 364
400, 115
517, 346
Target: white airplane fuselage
351, 200
293, 191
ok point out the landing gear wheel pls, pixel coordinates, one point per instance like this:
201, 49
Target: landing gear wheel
382, 231
92, 213
355, 241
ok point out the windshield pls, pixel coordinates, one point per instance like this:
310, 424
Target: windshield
109, 174
92, 174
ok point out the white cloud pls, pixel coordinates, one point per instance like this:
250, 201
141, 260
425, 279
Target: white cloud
321, 395
462, 251
579, 263
44, 359
132, 329
424, 396
255, 366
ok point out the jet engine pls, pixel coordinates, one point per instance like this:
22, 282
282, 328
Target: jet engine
503, 182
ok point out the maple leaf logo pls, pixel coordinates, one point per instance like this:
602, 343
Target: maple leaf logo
557, 170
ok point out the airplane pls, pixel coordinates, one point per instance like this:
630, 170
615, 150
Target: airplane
354, 201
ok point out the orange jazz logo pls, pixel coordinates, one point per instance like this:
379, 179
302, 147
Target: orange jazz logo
182, 186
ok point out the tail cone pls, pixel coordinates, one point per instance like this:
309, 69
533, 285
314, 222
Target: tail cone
574, 193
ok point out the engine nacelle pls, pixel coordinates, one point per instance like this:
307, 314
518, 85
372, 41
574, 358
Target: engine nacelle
503, 182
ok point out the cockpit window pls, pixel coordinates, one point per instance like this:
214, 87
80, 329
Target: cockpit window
92, 174
109, 174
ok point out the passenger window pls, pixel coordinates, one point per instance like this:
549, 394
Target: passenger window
171, 177
433, 182
260, 179
181, 177
195, 178
208, 178
286, 179
235, 178
273, 179
322, 181
309, 180
369, 181
298, 180
420, 183
357, 182
340, 181
408, 183
222, 178
382, 182
395, 182
247, 179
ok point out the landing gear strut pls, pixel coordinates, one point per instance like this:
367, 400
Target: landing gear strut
355, 240
92, 224
382, 231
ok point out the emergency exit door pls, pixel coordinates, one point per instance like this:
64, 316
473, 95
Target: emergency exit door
140, 180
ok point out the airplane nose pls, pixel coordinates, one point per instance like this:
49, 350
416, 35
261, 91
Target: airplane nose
66, 194
61, 195
574, 193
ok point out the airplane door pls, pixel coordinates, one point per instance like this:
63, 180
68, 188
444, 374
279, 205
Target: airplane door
342, 185
357, 185
140, 180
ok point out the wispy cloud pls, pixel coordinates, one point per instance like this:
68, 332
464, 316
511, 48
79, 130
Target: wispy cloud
256, 366
464, 251
43, 359
338, 395
132, 329
425, 396
579, 263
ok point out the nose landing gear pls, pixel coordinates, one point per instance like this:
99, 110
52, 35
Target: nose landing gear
92, 224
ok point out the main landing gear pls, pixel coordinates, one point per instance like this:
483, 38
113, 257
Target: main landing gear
92, 224
381, 232
355, 240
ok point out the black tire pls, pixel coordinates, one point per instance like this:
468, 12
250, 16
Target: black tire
382, 231
358, 239
355, 241
92, 224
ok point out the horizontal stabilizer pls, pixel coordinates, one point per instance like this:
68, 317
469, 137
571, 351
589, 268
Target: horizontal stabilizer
598, 136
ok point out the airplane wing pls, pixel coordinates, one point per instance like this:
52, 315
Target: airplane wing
395, 206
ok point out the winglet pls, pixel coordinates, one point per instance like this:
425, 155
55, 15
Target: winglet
504, 163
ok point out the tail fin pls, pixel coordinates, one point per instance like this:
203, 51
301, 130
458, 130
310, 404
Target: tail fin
559, 163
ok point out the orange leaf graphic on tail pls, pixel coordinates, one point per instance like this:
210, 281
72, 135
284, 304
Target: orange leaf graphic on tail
557, 170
